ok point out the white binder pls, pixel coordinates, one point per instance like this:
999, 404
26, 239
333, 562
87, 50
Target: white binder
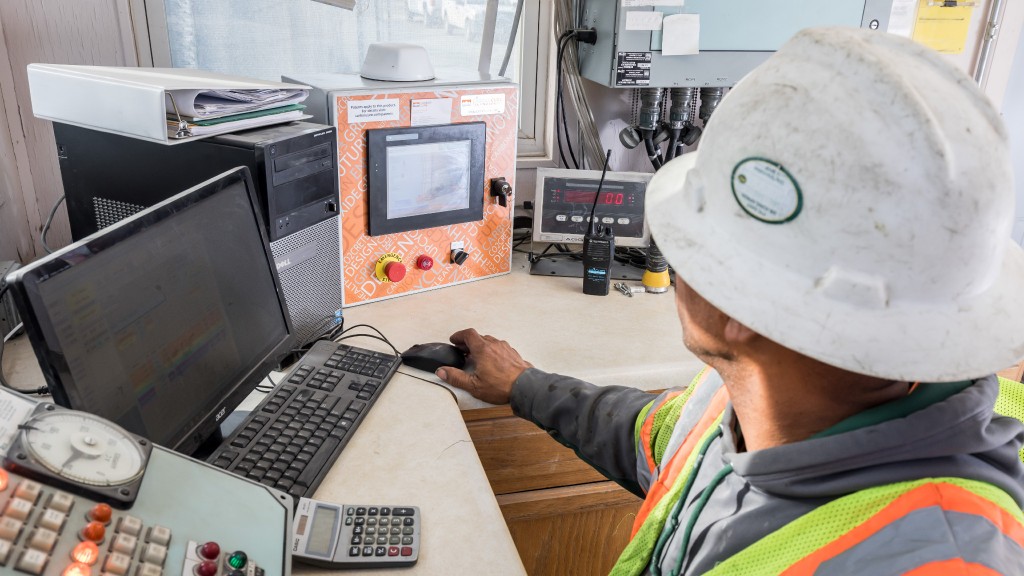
133, 101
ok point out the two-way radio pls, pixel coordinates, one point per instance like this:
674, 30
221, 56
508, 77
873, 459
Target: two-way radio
598, 248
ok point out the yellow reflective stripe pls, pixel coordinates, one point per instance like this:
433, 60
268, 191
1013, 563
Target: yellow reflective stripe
781, 549
1010, 401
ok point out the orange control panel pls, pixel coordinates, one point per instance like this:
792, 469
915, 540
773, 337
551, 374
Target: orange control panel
418, 180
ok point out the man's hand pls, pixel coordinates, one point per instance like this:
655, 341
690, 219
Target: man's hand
497, 365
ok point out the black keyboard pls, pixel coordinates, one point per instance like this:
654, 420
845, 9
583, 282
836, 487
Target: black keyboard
292, 438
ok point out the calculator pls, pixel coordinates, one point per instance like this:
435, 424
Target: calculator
355, 535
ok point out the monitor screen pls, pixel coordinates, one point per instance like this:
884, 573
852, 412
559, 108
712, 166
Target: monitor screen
164, 321
422, 177
428, 178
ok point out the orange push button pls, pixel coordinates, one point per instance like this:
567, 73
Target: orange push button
94, 531
101, 513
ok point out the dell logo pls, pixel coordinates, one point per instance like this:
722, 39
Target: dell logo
283, 263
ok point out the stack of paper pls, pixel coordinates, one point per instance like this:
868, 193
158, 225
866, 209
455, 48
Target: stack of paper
217, 111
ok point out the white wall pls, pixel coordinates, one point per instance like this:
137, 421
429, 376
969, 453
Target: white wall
1013, 115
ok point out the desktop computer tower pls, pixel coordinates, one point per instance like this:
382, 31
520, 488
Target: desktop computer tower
108, 177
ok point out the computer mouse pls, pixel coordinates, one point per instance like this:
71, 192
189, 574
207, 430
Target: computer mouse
433, 355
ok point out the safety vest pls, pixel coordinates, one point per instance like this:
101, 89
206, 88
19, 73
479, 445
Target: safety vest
826, 533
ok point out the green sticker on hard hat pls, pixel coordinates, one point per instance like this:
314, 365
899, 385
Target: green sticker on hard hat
766, 191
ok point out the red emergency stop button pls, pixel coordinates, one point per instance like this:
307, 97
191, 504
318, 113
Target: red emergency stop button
424, 262
395, 271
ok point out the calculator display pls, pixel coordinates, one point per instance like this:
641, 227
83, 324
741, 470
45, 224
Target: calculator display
321, 534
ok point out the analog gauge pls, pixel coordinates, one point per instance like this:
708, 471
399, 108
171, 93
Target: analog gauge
83, 448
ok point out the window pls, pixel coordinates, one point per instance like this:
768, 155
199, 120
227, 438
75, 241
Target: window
273, 38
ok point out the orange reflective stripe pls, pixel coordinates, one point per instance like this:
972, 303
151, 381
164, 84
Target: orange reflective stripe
671, 469
648, 428
953, 567
947, 496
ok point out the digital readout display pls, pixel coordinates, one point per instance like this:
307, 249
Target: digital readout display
607, 198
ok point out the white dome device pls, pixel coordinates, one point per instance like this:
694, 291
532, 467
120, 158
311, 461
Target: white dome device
396, 62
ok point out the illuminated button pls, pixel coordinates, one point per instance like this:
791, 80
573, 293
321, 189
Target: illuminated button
9, 529
52, 520
94, 531
5, 551
77, 569
159, 535
560, 218
124, 544
577, 218
129, 525
28, 490
210, 550
623, 221
101, 513
608, 220
4, 480
154, 554
32, 561
62, 502
149, 570
237, 560
206, 568
424, 262
395, 271
117, 564
86, 553
43, 539
18, 509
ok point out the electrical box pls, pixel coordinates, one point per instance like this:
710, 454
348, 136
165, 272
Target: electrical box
426, 170
733, 36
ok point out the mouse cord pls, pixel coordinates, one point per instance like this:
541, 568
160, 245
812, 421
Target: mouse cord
344, 335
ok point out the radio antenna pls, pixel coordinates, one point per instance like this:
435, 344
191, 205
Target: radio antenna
593, 223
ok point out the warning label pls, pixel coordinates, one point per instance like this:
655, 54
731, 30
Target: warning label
633, 69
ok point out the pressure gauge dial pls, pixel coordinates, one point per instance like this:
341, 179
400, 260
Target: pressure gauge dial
81, 451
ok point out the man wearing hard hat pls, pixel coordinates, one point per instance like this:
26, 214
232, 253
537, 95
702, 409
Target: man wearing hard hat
844, 267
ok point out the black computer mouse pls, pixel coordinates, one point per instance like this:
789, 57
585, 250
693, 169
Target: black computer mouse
433, 355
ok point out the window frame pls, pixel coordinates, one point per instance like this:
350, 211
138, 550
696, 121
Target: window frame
536, 93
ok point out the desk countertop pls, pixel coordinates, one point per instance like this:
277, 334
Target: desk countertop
606, 340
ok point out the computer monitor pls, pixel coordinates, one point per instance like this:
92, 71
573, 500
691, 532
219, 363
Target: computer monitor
163, 322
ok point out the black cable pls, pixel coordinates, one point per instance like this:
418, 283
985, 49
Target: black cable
49, 220
375, 337
42, 390
381, 337
563, 43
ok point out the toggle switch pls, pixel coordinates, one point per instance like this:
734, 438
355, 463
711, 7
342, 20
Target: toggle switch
459, 256
501, 189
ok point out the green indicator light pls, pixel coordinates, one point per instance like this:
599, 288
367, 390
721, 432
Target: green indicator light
237, 560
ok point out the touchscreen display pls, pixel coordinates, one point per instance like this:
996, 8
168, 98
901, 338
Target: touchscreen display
428, 178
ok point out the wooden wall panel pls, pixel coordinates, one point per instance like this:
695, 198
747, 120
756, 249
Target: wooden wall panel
96, 32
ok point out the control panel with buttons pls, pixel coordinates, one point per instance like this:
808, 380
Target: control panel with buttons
50, 526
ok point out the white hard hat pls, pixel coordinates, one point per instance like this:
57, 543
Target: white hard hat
852, 200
